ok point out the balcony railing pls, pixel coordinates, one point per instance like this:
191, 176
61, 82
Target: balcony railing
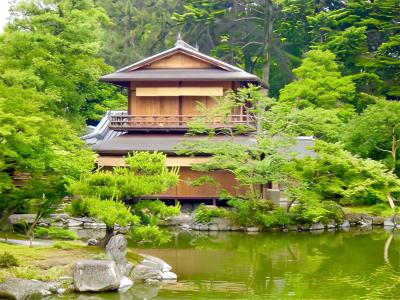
173, 122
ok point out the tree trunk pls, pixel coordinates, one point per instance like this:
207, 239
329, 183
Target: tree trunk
109, 233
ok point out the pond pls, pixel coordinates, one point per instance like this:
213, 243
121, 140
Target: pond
354, 264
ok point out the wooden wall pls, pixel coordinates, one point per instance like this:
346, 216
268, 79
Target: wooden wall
225, 179
171, 105
179, 61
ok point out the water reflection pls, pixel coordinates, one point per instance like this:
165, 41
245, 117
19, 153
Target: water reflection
330, 265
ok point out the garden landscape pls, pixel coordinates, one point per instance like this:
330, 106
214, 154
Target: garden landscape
197, 149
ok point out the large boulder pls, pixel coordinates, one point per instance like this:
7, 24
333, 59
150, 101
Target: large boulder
96, 276
21, 289
116, 251
145, 272
163, 266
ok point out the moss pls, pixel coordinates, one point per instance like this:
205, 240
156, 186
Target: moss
45, 262
370, 210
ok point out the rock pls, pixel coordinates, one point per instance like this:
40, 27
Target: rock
142, 273
169, 276
46, 225
304, 227
126, 283
293, 227
252, 229
377, 221
181, 219
203, 227
21, 289
214, 227
116, 251
346, 223
223, 224
61, 291
151, 264
92, 242
317, 226
146, 290
330, 226
236, 228
74, 223
66, 279
96, 276
388, 223
185, 227
163, 266
94, 225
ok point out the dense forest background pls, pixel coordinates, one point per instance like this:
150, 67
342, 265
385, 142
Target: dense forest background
332, 69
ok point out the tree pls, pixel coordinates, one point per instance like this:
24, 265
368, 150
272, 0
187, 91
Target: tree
319, 83
52, 47
375, 133
146, 174
40, 146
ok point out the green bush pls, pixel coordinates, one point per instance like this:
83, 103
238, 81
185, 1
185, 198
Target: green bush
78, 208
248, 212
203, 214
150, 235
277, 218
312, 211
55, 233
378, 209
8, 260
151, 212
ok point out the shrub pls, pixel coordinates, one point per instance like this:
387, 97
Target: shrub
312, 211
248, 212
379, 208
203, 214
55, 233
277, 218
150, 235
78, 208
8, 260
153, 211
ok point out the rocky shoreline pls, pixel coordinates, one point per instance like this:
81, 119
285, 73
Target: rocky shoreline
186, 221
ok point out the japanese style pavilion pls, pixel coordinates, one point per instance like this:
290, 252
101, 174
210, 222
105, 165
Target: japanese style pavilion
163, 92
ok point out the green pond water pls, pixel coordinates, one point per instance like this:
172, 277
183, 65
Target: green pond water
354, 264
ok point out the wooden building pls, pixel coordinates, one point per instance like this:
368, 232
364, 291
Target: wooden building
163, 91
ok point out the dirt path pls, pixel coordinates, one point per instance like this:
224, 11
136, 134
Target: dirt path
26, 242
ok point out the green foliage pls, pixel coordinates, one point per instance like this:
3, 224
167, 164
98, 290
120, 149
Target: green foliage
151, 212
250, 212
55, 233
337, 175
319, 83
8, 260
110, 212
150, 235
379, 209
203, 213
146, 174
274, 219
78, 208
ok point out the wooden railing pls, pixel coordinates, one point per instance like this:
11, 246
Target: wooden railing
134, 122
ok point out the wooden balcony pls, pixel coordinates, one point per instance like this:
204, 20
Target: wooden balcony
173, 122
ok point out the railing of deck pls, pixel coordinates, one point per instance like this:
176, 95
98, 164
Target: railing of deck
127, 122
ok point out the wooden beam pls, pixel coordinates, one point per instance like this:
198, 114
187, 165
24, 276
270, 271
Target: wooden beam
118, 161
179, 91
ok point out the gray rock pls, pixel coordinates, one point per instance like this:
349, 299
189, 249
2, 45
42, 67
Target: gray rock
116, 251
183, 218
203, 227
92, 242
21, 289
61, 291
236, 228
252, 229
163, 266
74, 223
378, 221
125, 283
346, 223
388, 223
293, 227
331, 226
142, 273
151, 264
94, 225
304, 227
213, 227
141, 291
223, 224
169, 276
96, 276
317, 226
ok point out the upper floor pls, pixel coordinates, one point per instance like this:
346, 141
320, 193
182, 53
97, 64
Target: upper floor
164, 90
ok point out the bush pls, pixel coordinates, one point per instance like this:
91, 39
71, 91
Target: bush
78, 208
203, 214
277, 218
8, 260
313, 211
378, 209
153, 211
55, 233
248, 212
150, 235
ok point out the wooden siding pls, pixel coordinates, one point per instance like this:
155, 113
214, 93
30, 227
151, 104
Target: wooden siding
172, 161
179, 61
179, 91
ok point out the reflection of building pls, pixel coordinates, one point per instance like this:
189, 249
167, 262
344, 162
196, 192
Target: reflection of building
163, 92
